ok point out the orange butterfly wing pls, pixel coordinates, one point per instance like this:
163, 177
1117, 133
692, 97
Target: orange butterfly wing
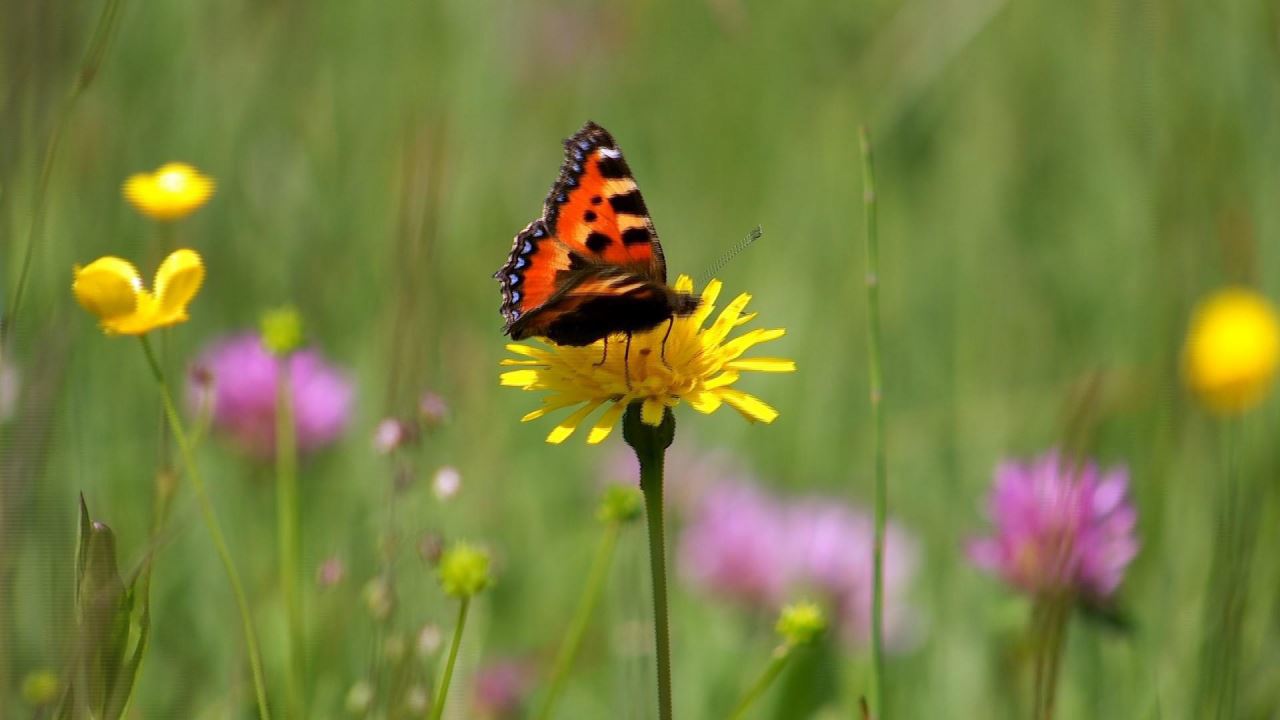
596, 209
592, 265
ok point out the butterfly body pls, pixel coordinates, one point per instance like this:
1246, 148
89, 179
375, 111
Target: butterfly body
592, 265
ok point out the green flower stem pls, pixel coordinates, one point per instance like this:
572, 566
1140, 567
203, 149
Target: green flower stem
89, 66
586, 607
287, 535
650, 444
779, 661
877, 427
443, 692
215, 530
1049, 630
1229, 581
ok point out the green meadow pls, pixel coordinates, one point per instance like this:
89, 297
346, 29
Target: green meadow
1058, 185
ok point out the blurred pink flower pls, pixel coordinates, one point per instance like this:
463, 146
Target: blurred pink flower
446, 483
1059, 528
245, 375
831, 548
735, 546
745, 545
433, 410
499, 689
390, 435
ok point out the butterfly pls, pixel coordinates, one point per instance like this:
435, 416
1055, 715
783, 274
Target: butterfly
592, 265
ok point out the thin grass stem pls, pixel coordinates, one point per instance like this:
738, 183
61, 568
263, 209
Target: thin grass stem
779, 661
582, 617
103, 32
215, 530
879, 702
442, 693
287, 536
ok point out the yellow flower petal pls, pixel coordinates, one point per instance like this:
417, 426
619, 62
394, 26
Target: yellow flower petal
1232, 351
571, 423
751, 407
177, 282
520, 378
604, 426
760, 364
709, 295
173, 191
733, 349
107, 287
704, 402
723, 324
676, 361
651, 411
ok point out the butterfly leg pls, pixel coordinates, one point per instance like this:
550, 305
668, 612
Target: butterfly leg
626, 362
663, 352
605, 355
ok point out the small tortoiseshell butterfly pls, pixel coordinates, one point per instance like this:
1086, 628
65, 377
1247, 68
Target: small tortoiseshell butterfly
591, 266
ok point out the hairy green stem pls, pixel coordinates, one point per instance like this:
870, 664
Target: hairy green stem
650, 444
287, 535
89, 67
443, 692
877, 426
586, 607
215, 530
780, 657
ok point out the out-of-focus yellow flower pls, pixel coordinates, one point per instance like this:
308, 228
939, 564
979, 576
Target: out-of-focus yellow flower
112, 290
1233, 350
170, 193
697, 366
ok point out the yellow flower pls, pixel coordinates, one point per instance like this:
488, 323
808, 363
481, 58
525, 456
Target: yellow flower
170, 193
112, 289
1233, 350
697, 366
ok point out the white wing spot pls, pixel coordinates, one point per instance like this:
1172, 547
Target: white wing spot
611, 153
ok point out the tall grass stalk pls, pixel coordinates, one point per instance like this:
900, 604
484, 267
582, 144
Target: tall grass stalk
771, 672
215, 530
442, 693
878, 702
586, 607
100, 41
287, 535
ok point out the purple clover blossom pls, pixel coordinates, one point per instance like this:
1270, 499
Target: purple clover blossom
735, 546
832, 548
244, 378
1059, 528
747, 546
499, 688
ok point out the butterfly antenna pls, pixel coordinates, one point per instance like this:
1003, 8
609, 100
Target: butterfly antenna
730, 254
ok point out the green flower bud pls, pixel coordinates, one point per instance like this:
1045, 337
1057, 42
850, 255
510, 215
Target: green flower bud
801, 622
281, 330
40, 688
621, 503
464, 570
379, 598
359, 698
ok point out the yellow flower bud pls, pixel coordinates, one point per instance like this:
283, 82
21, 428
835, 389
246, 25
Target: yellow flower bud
464, 570
172, 192
111, 289
1232, 350
800, 623
281, 330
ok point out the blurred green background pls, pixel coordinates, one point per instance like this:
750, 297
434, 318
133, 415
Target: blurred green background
1060, 181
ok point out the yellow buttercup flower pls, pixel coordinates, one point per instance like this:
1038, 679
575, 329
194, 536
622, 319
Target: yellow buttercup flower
112, 290
697, 366
170, 193
1233, 350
